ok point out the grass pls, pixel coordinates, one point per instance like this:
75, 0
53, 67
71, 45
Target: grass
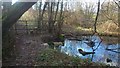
51, 57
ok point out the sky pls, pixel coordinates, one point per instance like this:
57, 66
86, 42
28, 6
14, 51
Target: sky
71, 1
13, 1
95, 1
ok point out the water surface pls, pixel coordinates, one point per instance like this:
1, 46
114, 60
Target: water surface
101, 54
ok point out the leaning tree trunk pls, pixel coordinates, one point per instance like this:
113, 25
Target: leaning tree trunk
16, 11
9, 17
6, 7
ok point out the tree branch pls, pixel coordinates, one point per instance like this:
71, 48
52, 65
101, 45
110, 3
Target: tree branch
117, 3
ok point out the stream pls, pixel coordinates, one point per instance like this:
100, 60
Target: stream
101, 54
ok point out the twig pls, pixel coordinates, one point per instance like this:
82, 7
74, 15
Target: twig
92, 54
117, 3
112, 50
98, 45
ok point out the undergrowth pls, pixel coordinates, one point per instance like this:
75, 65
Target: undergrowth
51, 57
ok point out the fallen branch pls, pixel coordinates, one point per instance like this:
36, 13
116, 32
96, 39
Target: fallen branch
112, 50
98, 45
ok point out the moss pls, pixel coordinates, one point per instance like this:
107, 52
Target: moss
51, 57
61, 37
51, 44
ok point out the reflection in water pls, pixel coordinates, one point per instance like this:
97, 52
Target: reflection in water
101, 54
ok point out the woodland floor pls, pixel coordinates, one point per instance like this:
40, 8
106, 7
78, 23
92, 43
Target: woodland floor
27, 47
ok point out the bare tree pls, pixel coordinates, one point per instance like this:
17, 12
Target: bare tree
41, 13
97, 17
60, 22
109, 11
56, 12
50, 15
117, 3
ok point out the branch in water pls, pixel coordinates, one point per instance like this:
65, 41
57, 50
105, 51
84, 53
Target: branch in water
98, 45
85, 53
112, 50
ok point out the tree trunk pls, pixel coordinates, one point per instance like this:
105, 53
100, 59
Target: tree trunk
56, 12
95, 30
41, 17
6, 7
50, 20
60, 20
16, 11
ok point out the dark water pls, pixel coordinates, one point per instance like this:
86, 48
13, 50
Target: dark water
101, 54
